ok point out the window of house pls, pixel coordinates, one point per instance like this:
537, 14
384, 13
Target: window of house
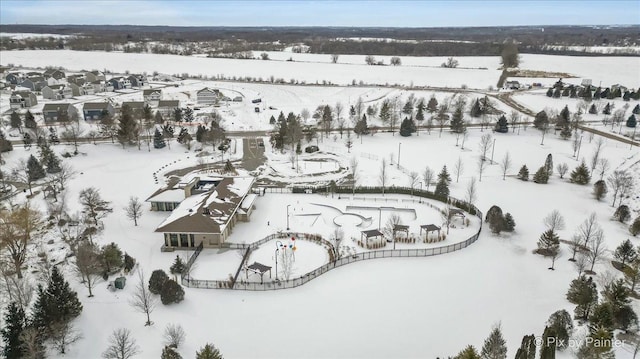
184, 241
192, 240
174, 239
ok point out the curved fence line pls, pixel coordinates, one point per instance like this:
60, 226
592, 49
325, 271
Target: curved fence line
296, 282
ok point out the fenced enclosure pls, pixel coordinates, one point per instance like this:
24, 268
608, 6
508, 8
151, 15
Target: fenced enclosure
334, 261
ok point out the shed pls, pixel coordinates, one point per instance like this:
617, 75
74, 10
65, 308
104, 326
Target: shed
120, 282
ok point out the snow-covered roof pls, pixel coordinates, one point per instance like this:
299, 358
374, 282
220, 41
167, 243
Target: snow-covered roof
248, 201
168, 195
208, 212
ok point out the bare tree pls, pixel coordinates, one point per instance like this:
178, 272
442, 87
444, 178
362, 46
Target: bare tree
63, 334
427, 176
338, 236
458, 168
596, 152
388, 231
465, 136
581, 264
142, 300
588, 229
121, 345
88, 265
442, 117
446, 216
597, 249
554, 221
334, 58
505, 165
602, 167
562, 169
471, 191
515, 118
481, 165
21, 173
338, 111
618, 182
382, 176
96, 207
16, 227
353, 167
305, 114
174, 335
32, 347
134, 209
576, 246
414, 178
63, 176
485, 142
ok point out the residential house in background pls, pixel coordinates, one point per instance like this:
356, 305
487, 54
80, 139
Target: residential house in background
76, 79
207, 96
57, 92
137, 107
14, 78
94, 110
22, 99
84, 88
167, 107
53, 111
152, 96
120, 83
55, 73
204, 210
101, 86
138, 80
94, 75
35, 83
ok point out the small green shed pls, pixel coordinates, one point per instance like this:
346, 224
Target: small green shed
120, 282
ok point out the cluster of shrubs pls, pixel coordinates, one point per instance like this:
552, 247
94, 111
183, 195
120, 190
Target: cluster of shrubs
499, 222
170, 291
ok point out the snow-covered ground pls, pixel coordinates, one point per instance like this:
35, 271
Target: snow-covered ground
27, 35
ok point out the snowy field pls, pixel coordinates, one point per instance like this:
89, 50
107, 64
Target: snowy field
316, 68
27, 35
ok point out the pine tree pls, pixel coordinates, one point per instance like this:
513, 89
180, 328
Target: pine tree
171, 292
625, 252
432, 105
527, 349
557, 93
444, 175
157, 280
583, 293
406, 127
599, 189
361, 127
469, 352
5, 145
631, 121
562, 325
509, 223
541, 176
636, 110
178, 266
15, 120
607, 109
57, 304
111, 257
209, 351
566, 132
581, 174
634, 228
170, 353
493, 212
548, 165
593, 109
602, 316
158, 139
457, 121
550, 92
408, 108
385, 112
29, 120
34, 169
548, 347
548, 243
502, 125
129, 263
541, 120
523, 174
127, 128
14, 323
475, 110
158, 119
622, 214
495, 347
420, 113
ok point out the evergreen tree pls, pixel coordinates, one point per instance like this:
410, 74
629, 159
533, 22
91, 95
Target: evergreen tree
170, 353
597, 93
475, 110
178, 266
14, 323
272, 120
541, 176
469, 352
607, 109
158, 139
548, 164
523, 174
527, 349
171, 292
361, 127
29, 120
495, 347
111, 257
57, 304
581, 174
34, 169
420, 114
550, 92
27, 140
602, 316
385, 112
634, 228
157, 280
509, 223
407, 127
493, 212
183, 136
557, 93
127, 128
636, 110
625, 253
158, 119
502, 125
562, 325
599, 189
200, 133
548, 346
457, 121
548, 243
541, 120
209, 351
573, 92
496, 224
622, 214
188, 114
15, 120
129, 262
408, 108
593, 110
565, 115
566, 132
444, 176
5, 145
432, 105
177, 114
583, 293
631, 121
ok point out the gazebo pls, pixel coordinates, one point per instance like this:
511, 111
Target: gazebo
370, 233
429, 228
258, 268
456, 212
399, 228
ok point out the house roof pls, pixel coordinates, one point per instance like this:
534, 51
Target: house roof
150, 91
55, 107
95, 106
206, 89
208, 212
56, 87
134, 105
35, 79
168, 103
372, 233
430, 227
23, 93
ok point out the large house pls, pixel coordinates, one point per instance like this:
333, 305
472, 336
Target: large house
203, 210
55, 73
136, 107
137, 80
34, 83
120, 83
93, 110
57, 92
94, 75
152, 96
14, 78
53, 111
168, 107
22, 99
207, 96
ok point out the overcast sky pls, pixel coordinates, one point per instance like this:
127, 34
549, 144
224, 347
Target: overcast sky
322, 13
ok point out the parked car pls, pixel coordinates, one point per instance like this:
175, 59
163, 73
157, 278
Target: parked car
311, 149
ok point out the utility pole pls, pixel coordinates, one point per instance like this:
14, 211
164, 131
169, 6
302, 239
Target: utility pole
579, 145
493, 149
399, 143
